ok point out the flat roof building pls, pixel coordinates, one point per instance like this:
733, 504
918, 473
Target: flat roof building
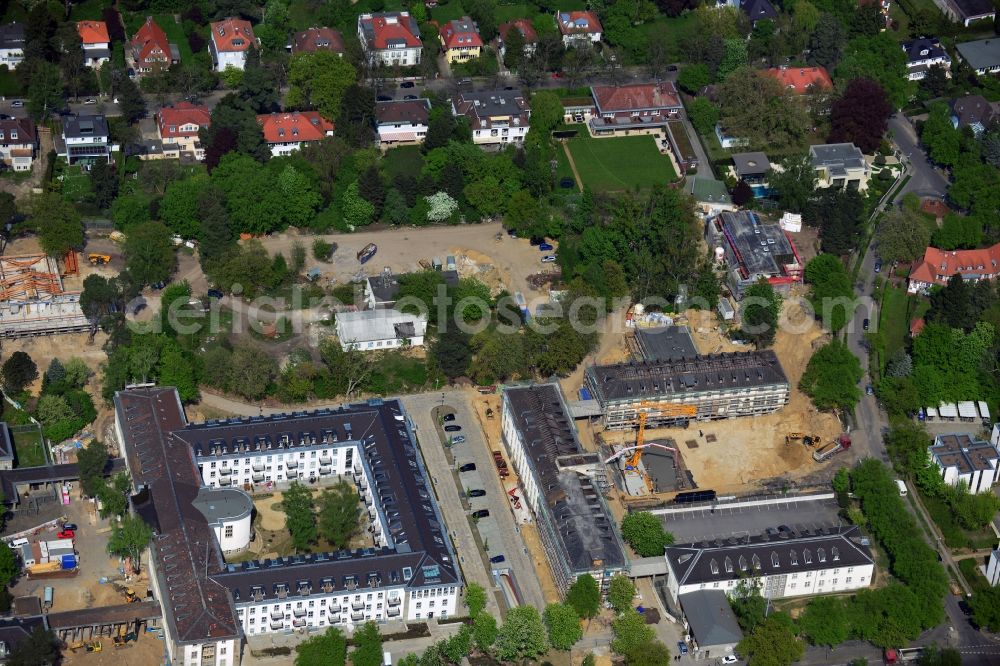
754, 249
665, 343
561, 485
370, 330
961, 458
718, 385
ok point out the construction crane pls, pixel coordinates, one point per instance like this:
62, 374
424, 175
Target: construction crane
646, 408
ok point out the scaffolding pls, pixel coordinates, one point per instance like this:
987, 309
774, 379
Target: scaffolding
33, 300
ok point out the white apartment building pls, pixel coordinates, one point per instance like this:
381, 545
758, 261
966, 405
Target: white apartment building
409, 572
832, 560
963, 459
391, 38
372, 330
496, 118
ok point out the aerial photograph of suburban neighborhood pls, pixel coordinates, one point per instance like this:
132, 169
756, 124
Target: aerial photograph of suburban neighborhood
499, 332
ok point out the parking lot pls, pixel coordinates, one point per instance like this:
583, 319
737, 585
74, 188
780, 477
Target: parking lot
498, 530
722, 522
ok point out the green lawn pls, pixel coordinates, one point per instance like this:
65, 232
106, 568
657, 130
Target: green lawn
510, 12
970, 570
75, 182
621, 163
448, 12
396, 373
10, 85
403, 160
28, 449
892, 321
675, 30
562, 169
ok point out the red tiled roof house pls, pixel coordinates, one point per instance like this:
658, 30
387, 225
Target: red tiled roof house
391, 38
579, 28
149, 49
460, 40
938, 266
633, 107
802, 80
285, 133
527, 31
179, 124
231, 39
95, 42
318, 39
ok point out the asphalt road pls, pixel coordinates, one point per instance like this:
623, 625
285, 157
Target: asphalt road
925, 179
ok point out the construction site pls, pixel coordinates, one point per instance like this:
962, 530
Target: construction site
35, 297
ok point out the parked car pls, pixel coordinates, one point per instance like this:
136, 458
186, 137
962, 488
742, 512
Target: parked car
482, 513
497, 559
682, 647
869, 390
546, 247
90, 101
467, 467
156, 286
17, 104
406, 84
730, 659
549, 258
383, 98
865, 324
448, 417
535, 241
671, 68
878, 266
70, 526
477, 492
66, 534
215, 293
409, 97
452, 428
458, 440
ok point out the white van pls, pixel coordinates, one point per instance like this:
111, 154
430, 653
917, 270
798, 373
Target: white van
902, 487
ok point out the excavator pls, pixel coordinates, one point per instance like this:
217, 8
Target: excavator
97, 259
646, 408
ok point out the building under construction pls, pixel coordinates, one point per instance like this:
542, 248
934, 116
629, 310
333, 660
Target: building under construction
33, 300
674, 392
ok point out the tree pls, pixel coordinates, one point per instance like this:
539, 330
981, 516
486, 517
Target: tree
452, 352
546, 111
129, 210
298, 506
45, 90
92, 460
104, 183
57, 223
630, 630
338, 514
129, 538
756, 107
484, 631
130, 100
742, 194
936, 82
149, 253
838, 214
356, 119
825, 621
326, 649
475, 599
522, 635
367, 646
18, 372
645, 534
441, 207
703, 115
251, 371
563, 625
942, 140
176, 370
747, 603
831, 377
902, 235
937, 656
350, 369
694, 77
772, 643
832, 295
317, 80
860, 116
794, 183
39, 649
513, 45
826, 43
8, 566
985, 605
880, 59
216, 234
584, 595
621, 591
761, 307
181, 205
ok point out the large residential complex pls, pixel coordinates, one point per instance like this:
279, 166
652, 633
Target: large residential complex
753, 249
964, 459
191, 483
828, 560
390, 39
638, 106
496, 118
576, 527
938, 266
719, 386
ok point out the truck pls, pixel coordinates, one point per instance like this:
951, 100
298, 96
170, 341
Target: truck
367, 252
828, 451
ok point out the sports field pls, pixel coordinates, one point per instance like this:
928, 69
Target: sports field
621, 163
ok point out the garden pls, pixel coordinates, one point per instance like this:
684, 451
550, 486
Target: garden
621, 163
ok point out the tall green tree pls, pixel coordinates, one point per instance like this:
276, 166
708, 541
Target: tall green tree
645, 534
8, 566
761, 308
149, 253
563, 625
825, 621
17, 372
748, 604
484, 632
630, 629
300, 518
130, 100
92, 459
621, 591
902, 235
831, 377
338, 514
522, 635
794, 183
584, 595
39, 649
129, 538
57, 222
772, 642
326, 649
475, 599
318, 80
45, 90
942, 140
367, 646
832, 295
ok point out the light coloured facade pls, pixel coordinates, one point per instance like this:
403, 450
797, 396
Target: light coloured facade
12, 45
391, 39
231, 39
961, 458
496, 118
801, 565
372, 330
840, 165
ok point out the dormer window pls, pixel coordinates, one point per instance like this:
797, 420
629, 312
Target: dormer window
756, 563
794, 557
743, 563
836, 554
807, 557
714, 566
238, 42
729, 565
774, 560
13, 134
821, 554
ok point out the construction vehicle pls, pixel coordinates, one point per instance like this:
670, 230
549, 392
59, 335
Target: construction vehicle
367, 252
793, 437
96, 259
125, 639
95, 646
828, 451
130, 596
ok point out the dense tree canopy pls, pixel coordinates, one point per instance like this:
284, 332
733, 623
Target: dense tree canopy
831, 377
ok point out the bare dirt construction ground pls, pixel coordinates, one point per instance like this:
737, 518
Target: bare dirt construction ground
750, 453
512, 259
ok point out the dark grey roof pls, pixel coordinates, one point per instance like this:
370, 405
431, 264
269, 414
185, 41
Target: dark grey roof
748, 164
981, 53
666, 343
575, 507
758, 10
707, 562
218, 504
973, 8
413, 111
972, 110
12, 36
711, 618
98, 52
662, 379
759, 247
6, 445
837, 156
14, 631
923, 48
11, 479
85, 126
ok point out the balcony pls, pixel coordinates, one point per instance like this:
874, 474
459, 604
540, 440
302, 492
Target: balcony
325, 469
301, 622
226, 471
357, 617
258, 465
325, 460
257, 478
225, 481
291, 464
334, 610
299, 612
276, 626
277, 615
392, 612
394, 601
357, 605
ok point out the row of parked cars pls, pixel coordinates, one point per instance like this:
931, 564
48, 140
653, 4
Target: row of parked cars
451, 426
